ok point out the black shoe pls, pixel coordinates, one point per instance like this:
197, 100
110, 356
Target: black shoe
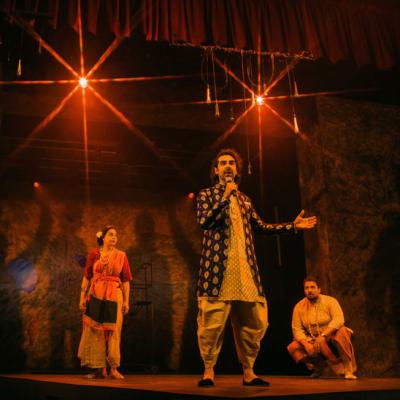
256, 382
205, 383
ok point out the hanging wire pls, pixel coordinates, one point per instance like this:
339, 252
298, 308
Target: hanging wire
295, 124
231, 112
205, 75
21, 45
254, 83
217, 114
265, 73
249, 70
247, 118
272, 68
296, 90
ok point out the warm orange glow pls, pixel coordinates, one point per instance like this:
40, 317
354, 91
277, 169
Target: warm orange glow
58, 82
143, 78
42, 124
190, 196
83, 83
284, 120
25, 25
139, 134
81, 41
313, 94
280, 76
36, 184
201, 102
85, 136
126, 122
105, 55
135, 19
229, 131
232, 75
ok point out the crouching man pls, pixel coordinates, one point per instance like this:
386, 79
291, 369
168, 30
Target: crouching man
320, 339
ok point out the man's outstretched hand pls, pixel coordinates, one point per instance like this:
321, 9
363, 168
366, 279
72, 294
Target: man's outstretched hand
305, 223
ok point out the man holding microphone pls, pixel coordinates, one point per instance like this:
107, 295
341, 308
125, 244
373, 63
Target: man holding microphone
229, 282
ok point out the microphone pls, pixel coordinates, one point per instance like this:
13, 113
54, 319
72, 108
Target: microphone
227, 180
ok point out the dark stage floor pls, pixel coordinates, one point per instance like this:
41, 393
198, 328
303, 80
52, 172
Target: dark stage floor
53, 387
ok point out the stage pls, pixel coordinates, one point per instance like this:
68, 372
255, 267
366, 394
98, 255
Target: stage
63, 387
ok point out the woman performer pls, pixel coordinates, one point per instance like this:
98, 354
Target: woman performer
104, 300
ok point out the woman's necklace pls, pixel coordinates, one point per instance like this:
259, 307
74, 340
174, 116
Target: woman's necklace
105, 255
105, 258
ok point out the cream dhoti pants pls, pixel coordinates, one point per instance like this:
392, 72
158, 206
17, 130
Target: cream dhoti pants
249, 322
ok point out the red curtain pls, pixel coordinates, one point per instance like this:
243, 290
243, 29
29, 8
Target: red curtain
365, 31
361, 31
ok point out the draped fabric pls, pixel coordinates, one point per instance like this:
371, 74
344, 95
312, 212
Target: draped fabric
354, 30
365, 31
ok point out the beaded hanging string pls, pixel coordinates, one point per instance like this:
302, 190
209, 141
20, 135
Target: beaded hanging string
217, 114
247, 118
205, 74
291, 95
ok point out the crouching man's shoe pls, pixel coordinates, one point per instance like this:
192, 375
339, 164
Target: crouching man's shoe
256, 382
205, 383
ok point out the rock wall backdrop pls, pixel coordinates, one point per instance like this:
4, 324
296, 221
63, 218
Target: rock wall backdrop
349, 166
44, 240
349, 176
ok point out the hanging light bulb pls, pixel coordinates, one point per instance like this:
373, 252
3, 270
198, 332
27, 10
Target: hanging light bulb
83, 82
296, 92
208, 94
249, 168
19, 68
296, 126
231, 114
260, 100
216, 113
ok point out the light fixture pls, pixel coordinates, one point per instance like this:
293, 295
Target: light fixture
83, 82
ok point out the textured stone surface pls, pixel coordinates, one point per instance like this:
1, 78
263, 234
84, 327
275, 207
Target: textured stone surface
50, 232
349, 175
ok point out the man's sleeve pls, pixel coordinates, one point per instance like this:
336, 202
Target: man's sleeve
261, 227
336, 313
207, 213
299, 332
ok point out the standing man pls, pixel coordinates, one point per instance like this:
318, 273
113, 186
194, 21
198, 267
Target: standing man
229, 282
318, 327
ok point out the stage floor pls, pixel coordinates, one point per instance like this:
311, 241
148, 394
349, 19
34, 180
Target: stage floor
53, 387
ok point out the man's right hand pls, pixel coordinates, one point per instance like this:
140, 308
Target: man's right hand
230, 187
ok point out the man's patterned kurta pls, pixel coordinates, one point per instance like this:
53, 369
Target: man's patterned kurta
213, 217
